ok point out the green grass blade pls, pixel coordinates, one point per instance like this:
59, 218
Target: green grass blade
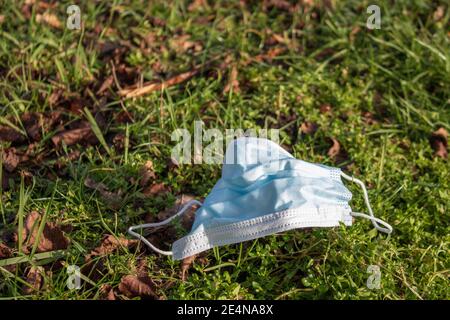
97, 131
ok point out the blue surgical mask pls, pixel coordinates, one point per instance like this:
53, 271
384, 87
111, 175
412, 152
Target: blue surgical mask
264, 190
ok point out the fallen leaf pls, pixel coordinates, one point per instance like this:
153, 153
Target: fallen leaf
137, 286
182, 43
438, 142
34, 279
198, 5
325, 53
157, 86
10, 159
164, 235
5, 251
353, 33
119, 141
110, 244
124, 117
32, 121
146, 173
187, 219
156, 189
334, 149
369, 118
8, 134
5, 180
157, 22
325, 108
35, 123
70, 137
52, 237
185, 265
98, 186
336, 152
26, 10
172, 163
276, 39
233, 83
55, 97
308, 127
439, 13
112, 199
50, 19
278, 4
107, 83
107, 292
72, 156
273, 53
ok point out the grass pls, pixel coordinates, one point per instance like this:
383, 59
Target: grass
400, 74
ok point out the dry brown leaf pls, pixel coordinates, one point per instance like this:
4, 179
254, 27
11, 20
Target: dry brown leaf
188, 216
146, 173
279, 4
439, 13
137, 286
439, 143
157, 22
325, 108
124, 117
336, 152
167, 234
98, 186
107, 83
50, 19
325, 54
70, 137
172, 163
112, 199
197, 5
119, 141
233, 82
10, 159
273, 53
335, 148
308, 127
369, 118
5, 180
109, 244
35, 279
5, 251
157, 86
185, 265
107, 292
156, 189
353, 33
55, 97
277, 38
182, 43
72, 156
52, 237
9, 134
35, 123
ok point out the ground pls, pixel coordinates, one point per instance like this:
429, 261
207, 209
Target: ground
86, 152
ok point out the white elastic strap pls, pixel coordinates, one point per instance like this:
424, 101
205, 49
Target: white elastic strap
370, 216
158, 224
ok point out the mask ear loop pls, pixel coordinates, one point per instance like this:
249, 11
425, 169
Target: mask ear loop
375, 221
158, 224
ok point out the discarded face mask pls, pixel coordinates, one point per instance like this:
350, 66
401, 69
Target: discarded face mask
265, 190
